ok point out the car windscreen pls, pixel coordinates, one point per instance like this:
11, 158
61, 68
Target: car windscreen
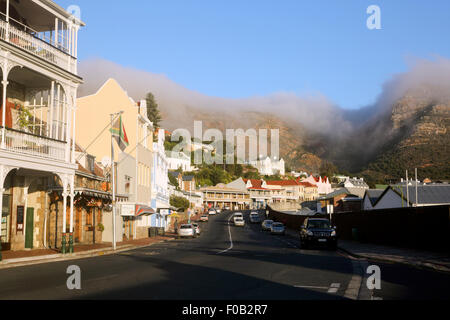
319, 224
277, 224
268, 221
186, 226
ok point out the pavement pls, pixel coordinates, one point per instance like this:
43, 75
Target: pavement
224, 263
20, 258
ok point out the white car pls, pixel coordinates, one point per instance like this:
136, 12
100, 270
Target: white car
238, 215
278, 228
254, 217
197, 229
239, 222
187, 230
212, 212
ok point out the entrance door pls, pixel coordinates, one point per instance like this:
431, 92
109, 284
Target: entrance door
29, 229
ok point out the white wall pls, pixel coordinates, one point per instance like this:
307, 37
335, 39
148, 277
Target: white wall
390, 200
107, 222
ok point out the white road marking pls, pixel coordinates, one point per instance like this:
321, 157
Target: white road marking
334, 288
312, 287
231, 239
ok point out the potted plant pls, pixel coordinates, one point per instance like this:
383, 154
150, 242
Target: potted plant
101, 227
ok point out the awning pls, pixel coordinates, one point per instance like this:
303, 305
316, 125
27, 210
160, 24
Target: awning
143, 211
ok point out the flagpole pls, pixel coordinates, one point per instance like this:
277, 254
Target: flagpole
113, 187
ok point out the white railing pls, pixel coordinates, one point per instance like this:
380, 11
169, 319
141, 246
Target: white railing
36, 46
28, 144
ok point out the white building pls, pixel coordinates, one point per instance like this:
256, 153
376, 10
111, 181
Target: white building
356, 186
323, 184
38, 63
160, 183
179, 160
269, 167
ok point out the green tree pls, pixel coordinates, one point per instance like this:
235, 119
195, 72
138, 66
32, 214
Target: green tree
153, 110
179, 202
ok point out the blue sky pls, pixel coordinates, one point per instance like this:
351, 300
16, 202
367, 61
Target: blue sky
250, 48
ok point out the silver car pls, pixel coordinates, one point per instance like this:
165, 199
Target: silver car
239, 222
278, 228
187, 230
197, 229
267, 225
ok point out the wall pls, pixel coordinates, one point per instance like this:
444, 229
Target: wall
426, 228
107, 222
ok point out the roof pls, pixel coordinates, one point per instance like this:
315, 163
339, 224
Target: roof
188, 178
427, 194
283, 183
373, 195
336, 193
256, 183
307, 184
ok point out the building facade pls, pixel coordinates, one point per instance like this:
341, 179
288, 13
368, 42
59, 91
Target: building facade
38, 62
222, 197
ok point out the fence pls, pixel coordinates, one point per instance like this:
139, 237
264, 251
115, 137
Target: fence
426, 228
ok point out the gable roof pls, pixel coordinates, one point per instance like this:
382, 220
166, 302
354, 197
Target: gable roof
427, 194
188, 178
373, 195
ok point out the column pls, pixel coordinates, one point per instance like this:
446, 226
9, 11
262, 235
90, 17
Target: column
72, 196
73, 134
64, 228
1, 213
5, 85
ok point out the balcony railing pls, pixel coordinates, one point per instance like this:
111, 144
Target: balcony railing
29, 144
36, 46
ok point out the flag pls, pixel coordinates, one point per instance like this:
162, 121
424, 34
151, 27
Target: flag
119, 133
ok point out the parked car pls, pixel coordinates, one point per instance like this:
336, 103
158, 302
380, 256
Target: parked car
218, 210
239, 222
278, 228
212, 212
227, 208
197, 229
267, 225
187, 230
255, 218
204, 218
315, 231
238, 215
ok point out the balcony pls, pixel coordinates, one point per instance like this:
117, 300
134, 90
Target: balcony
32, 145
36, 46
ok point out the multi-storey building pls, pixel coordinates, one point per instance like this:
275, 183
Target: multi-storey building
221, 196
38, 64
160, 183
133, 164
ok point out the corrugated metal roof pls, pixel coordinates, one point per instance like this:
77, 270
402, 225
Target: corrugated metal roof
427, 194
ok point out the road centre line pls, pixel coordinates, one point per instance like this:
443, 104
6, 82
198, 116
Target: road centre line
231, 239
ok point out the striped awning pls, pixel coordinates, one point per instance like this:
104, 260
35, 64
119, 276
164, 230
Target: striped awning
143, 211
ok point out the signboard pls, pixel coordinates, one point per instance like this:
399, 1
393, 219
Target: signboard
20, 218
128, 210
164, 212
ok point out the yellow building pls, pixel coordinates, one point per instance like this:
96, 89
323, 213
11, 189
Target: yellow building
133, 166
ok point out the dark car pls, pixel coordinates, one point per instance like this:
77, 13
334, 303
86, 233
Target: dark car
315, 231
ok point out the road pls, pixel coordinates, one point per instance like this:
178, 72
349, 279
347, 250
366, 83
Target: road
225, 263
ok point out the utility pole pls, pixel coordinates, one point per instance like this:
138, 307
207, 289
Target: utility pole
407, 190
417, 193
113, 184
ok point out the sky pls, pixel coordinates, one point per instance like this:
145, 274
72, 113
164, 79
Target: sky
252, 48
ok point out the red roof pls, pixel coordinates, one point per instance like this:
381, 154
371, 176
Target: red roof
283, 183
307, 184
256, 184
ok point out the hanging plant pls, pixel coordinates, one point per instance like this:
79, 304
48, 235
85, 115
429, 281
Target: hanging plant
101, 227
24, 118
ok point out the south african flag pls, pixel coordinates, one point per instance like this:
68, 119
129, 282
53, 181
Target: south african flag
119, 133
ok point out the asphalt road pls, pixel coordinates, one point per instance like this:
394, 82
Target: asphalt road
224, 263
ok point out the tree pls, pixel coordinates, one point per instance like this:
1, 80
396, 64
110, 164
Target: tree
153, 111
328, 169
179, 202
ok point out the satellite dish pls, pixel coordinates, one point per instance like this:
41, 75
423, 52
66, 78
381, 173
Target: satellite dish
106, 162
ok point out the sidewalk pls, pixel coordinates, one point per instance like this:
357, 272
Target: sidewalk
416, 258
28, 257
